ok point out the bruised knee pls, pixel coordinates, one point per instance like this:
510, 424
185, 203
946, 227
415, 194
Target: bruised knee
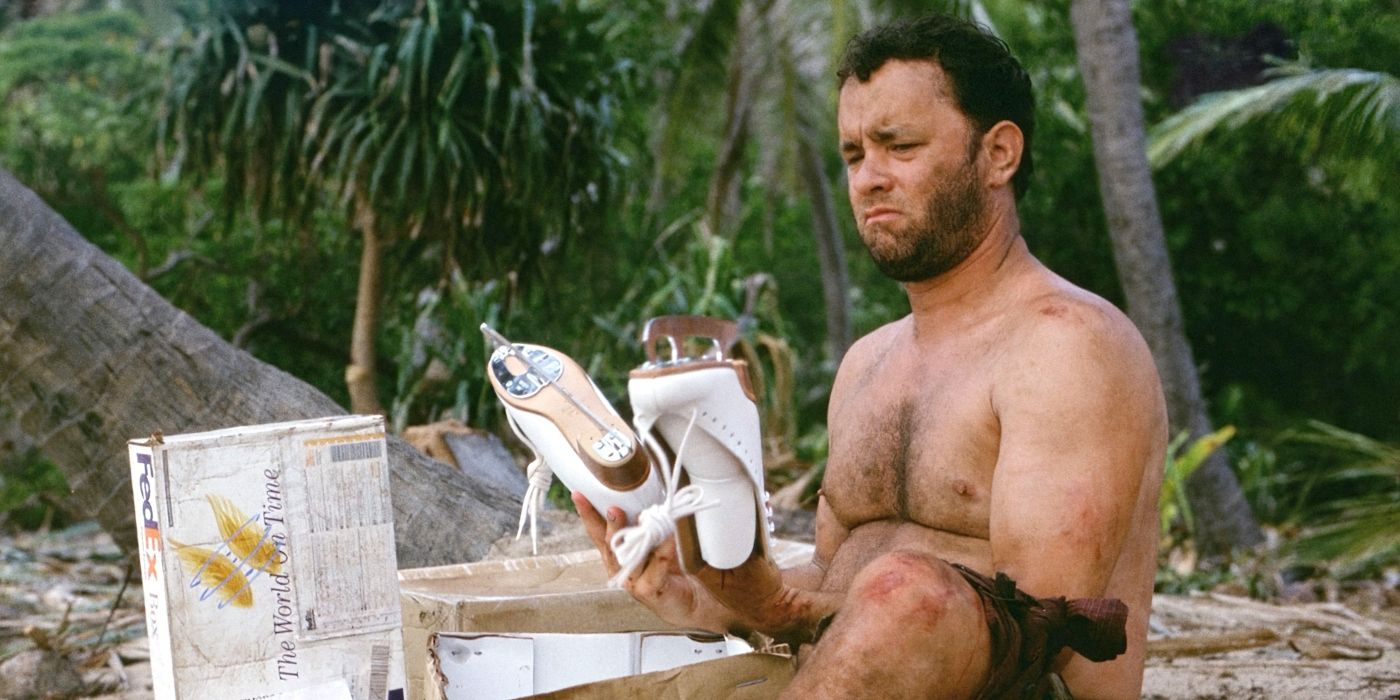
909, 588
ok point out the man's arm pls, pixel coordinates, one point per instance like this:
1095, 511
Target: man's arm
1080, 409
828, 535
1083, 430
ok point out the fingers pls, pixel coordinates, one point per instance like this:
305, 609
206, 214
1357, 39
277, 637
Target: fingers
592, 521
651, 580
598, 530
616, 521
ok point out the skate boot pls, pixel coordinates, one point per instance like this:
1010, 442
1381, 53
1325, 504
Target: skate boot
557, 410
699, 417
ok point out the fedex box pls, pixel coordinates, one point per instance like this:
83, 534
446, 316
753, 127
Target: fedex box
267, 558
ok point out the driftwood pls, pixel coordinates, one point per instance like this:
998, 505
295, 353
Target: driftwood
91, 357
1216, 623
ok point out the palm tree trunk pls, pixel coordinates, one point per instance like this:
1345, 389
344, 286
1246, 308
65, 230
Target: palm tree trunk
722, 201
359, 375
1108, 59
809, 111
831, 253
90, 357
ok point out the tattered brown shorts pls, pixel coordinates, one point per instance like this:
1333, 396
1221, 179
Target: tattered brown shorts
1027, 633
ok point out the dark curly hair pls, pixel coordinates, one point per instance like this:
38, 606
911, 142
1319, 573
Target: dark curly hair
989, 84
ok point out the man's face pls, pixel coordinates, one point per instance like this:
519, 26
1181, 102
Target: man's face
911, 170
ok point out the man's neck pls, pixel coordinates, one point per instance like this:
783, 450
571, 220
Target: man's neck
956, 296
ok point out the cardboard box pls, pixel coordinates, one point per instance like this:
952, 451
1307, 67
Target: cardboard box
497, 666
563, 593
268, 561
601, 667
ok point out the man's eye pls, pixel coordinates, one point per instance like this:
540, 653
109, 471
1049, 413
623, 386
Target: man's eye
902, 147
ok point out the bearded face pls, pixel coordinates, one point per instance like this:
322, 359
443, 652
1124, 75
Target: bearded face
940, 233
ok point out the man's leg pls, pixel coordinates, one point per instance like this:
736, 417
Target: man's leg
910, 627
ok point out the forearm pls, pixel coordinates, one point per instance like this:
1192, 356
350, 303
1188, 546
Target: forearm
793, 615
807, 577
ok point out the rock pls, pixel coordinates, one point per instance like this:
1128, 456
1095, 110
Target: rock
1297, 592
60, 597
476, 452
481, 453
794, 524
428, 439
39, 673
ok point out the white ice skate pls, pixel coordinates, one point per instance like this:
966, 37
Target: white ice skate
700, 413
557, 410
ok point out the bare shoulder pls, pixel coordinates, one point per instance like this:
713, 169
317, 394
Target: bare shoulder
1061, 325
1068, 347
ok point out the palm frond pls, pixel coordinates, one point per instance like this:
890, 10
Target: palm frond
700, 70
1348, 112
1354, 529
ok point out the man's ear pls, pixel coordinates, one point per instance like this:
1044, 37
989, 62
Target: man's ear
1001, 146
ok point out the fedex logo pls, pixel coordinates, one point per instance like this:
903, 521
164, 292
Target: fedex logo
150, 535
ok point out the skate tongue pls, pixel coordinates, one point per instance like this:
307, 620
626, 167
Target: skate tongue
726, 531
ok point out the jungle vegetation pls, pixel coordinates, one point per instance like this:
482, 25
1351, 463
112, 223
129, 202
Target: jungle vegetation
347, 189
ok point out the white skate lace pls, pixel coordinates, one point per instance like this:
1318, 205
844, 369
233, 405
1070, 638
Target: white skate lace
539, 476
632, 545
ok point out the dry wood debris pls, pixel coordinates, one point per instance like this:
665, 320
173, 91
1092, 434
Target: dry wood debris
70, 628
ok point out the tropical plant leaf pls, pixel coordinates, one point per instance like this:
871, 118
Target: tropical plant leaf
1354, 482
1349, 112
1172, 504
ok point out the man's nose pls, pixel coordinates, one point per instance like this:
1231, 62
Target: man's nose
873, 175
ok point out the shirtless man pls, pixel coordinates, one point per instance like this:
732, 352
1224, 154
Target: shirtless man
1010, 423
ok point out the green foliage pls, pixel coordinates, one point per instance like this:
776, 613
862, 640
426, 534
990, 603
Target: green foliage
1323, 234
442, 356
485, 127
1362, 34
459, 137
77, 93
1335, 493
31, 488
1330, 497
1280, 219
1172, 505
1290, 287
1348, 114
80, 94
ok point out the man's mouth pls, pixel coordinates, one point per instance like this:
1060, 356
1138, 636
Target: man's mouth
878, 214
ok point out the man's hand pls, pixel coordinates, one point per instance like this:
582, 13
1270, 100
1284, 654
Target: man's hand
749, 597
659, 583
